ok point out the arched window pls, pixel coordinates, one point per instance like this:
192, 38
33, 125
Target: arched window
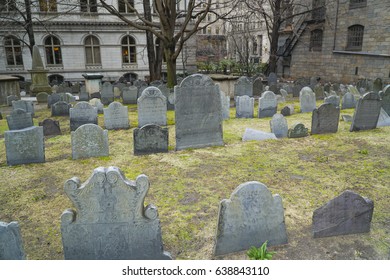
92, 51
129, 50
53, 51
355, 37
316, 40
13, 51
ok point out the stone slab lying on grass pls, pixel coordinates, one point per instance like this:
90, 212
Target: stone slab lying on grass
252, 134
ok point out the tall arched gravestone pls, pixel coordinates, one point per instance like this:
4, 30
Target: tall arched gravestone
367, 112
111, 222
89, 140
82, 113
152, 107
307, 100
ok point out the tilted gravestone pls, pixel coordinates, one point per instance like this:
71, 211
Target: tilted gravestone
60, 108
297, 130
19, 119
225, 103
250, 217
107, 93
348, 101
89, 140
150, 139
346, 214
325, 119
198, 113
384, 119
243, 86
82, 113
27, 106
245, 106
279, 126
111, 221
129, 95
367, 112
11, 98
83, 95
50, 127
42, 97
25, 145
267, 104
385, 96
96, 103
11, 245
287, 110
333, 99
257, 135
307, 100
116, 116
152, 107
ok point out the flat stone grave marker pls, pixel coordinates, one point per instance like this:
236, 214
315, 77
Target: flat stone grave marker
346, 118
243, 86
111, 221
225, 103
152, 107
348, 101
107, 93
250, 217
287, 110
27, 106
60, 108
257, 135
83, 95
129, 95
297, 130
89, 140
96, 103
42, 97
279, 126
50, 127
11, 245
346, 214
325, 119
307, 100
367, 112
245, 106
25, 145
82, 113
150, 139
267, 104
116, 116
198, 113
385, 95
19, 119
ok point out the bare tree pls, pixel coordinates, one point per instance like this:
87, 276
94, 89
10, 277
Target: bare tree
173, 25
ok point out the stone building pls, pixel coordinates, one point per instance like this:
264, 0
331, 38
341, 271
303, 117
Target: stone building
338, 40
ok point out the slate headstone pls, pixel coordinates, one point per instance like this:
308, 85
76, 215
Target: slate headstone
89, 140
267, 104
244, 106
82, 113
11, 244
333, 99
297, 130
150, 139
287, 110
325, 119
367, 112
83, 95
257, 135
129, 95
11, 98
75, 89
198, 113
385, 96
50, 127
42, 97
60, 108
19, 119
225, 103
348, 101
279, 126
152, 107
25, 145
141, 90
346, 214
384, 119
257, 86
54, 98
307, 100
378, 85
107, 93
250, 217
96, 103
116, 116
27, 106
243, 86
111, 221
272, 79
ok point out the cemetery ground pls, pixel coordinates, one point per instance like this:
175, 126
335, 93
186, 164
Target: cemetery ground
187, 186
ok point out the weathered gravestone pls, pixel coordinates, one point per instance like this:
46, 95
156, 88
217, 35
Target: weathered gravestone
96, 95
333, 99
11, 245
346, 214
244, 106
60, 108
11, 98
107, 93
325, 119
385, 95
111, 222
82, 113
297, 130
50, 127
319, 91
353, 90
27, 106
117, 93
150, 139
75, 89
348, 101
25, 145
141, 90
287, 110
129, 95
89, 140
42, 97
225, 103
307, 100
156, 83
198, 113
250, 217
279, 126
267, 104
83, 95
384, 119
367, 112
96, 103
283, 93
257, 135
272, 79
257, 86
378, 85
169, 94
346, 118
54, 98
116, 116
152, 107
19, 119
242, 87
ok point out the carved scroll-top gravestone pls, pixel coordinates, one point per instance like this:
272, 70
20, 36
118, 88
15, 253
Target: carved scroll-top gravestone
152, 107
11, 247
111, 221
249, 218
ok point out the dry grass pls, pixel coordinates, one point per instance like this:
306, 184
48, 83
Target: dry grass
188, 185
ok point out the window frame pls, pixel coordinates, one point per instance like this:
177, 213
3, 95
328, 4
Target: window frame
129, 46
94, 48
123, 8
88, 6
316, 40
52, 53
11, 52
47, 6
355, 36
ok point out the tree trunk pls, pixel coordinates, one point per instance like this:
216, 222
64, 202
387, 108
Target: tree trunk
275, 37
171, 67
29, 26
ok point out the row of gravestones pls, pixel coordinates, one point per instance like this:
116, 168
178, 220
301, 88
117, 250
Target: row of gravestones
111, 221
